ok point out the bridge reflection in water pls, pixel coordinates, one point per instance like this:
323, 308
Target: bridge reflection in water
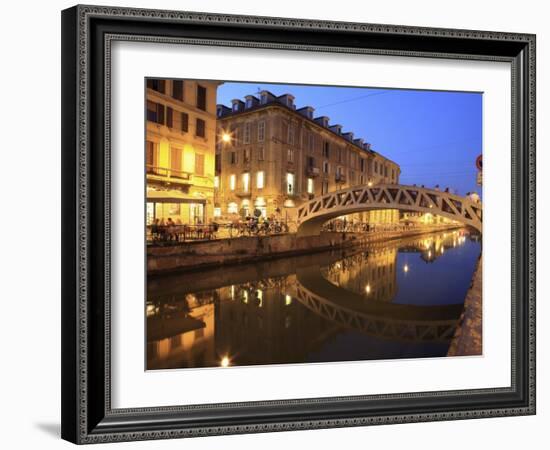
385, 300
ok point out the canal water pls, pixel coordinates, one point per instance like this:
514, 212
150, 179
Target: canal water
398, 299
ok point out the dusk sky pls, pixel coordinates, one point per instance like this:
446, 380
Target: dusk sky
434, 136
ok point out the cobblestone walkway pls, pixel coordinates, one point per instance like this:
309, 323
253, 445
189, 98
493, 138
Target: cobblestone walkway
467, 340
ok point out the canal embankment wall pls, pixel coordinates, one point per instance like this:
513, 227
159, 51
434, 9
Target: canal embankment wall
219, 252
467, 340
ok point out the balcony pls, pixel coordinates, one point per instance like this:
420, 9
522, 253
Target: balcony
168, 175
242, 193
312, 172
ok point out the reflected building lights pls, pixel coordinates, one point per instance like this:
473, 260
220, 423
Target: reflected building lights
225, 361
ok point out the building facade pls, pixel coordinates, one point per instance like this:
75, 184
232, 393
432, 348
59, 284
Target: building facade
180, 150
271, 157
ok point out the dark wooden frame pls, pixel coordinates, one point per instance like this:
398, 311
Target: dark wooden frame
87, 32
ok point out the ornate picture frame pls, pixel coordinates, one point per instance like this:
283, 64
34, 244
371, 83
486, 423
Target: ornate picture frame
87, 35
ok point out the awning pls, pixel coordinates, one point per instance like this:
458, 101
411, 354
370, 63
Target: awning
172, 197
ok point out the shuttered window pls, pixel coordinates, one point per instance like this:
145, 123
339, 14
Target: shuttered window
157, 85
184, 122
199, 164
177, 89
201, 128
201, 97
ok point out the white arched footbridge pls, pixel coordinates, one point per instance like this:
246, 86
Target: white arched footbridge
314, 213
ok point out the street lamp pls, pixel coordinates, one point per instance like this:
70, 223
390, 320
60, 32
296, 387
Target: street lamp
226, 137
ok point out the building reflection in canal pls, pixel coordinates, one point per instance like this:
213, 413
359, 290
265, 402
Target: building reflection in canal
373, 302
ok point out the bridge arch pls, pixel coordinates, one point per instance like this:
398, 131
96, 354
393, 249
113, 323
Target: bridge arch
314, 213
405, 323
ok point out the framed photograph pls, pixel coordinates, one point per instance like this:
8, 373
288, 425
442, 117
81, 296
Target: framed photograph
279, 224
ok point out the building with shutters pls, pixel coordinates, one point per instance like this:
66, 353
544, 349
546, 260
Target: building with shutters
271, 156
180, 149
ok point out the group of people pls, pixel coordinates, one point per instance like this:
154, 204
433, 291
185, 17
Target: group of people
170, 230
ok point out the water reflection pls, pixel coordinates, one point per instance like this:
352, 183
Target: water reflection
386, 300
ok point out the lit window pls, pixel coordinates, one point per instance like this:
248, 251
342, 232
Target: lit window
216, 182
246, 182
290, 155
232, 208
232, 182
217, 212
260, 179
290, 183
310, 188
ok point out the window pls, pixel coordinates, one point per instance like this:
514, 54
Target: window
339, 155
260, 179
261, 154
261, 131
290, 155
246, 137
199, 164
169, 117
393, 174
326, 150
263, 99
177, 89
290, 183
310, 162
218, 162
201, 97
310, 187
201, 128
175, 161
290, 137
386, 171
235, 107
150, 155
375, 166
217, 213
232, 208
184, 122
246, 182
157, 85
326, 167
311, 142
246, 155
363, 165
155, 112
324, 187
248, 103
233, 157
216, 182
232, 182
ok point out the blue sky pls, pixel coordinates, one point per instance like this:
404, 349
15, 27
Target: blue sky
434, 136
